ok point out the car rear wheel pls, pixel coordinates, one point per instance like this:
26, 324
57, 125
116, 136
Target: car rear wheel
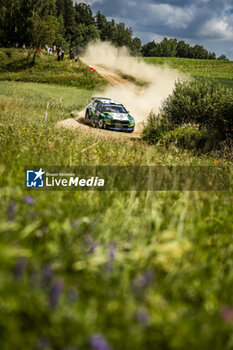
101, 123
87, 115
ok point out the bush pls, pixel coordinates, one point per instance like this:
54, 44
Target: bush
155, 128
186, 136
191, 138
203, 103
197, 116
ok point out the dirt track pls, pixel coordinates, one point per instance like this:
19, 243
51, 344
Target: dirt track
80, 125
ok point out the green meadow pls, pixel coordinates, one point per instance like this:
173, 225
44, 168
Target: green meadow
124, 270
214, 70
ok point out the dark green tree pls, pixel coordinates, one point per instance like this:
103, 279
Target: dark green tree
168, 47
102, 26
223, 57
122, 35
212, 56
69, 20
44, 32
9, 12
60, 5
182, 49
84, 35
83, 14
198, 52
146, 49
111, 29
135, 47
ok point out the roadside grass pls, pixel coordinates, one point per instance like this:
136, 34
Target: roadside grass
216, 70
148, 270
47, 70
132, 79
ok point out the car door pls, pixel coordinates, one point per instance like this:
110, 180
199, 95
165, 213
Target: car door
98, 110
93, 109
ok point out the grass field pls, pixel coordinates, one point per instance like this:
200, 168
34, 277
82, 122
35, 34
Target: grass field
216, 70
14, 66
112, 270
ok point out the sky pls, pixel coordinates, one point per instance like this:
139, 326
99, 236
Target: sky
205, 22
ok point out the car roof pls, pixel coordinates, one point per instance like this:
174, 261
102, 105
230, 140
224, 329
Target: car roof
106, 101
110, 103
101, 99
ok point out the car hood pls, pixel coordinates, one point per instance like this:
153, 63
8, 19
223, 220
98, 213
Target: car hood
119, 116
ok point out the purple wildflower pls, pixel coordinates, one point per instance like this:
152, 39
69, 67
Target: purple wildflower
20, 267
112, 251
12, 211
28, 200
47, 275
93, 247
42, 344
142, 281
111, 257
90, 244
74, 223
142, 316
55, 293
227, 314
98, 342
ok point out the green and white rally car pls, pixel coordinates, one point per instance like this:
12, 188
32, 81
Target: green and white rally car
108, 114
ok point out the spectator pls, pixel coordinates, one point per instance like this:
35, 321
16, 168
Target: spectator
71, 54
62, 54
59, 52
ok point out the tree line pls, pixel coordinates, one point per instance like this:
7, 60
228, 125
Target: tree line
75, 25
63, 23
174, 48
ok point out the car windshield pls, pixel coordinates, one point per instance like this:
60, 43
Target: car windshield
114, 109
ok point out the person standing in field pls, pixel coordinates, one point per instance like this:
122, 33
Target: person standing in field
71, 54
59, 53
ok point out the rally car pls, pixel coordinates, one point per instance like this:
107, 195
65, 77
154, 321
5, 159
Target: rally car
108, 114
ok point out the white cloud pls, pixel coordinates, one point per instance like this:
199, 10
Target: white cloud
215, 28
173, 17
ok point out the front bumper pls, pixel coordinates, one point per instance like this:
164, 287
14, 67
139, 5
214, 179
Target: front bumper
118, 129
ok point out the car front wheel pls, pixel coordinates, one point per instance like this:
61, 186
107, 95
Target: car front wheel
101, 123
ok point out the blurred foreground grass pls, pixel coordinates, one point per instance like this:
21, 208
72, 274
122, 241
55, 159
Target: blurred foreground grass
111, 270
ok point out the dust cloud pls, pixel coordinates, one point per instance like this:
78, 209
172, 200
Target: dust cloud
140, 101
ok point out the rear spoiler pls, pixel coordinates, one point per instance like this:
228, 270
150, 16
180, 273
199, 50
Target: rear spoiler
101, 98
